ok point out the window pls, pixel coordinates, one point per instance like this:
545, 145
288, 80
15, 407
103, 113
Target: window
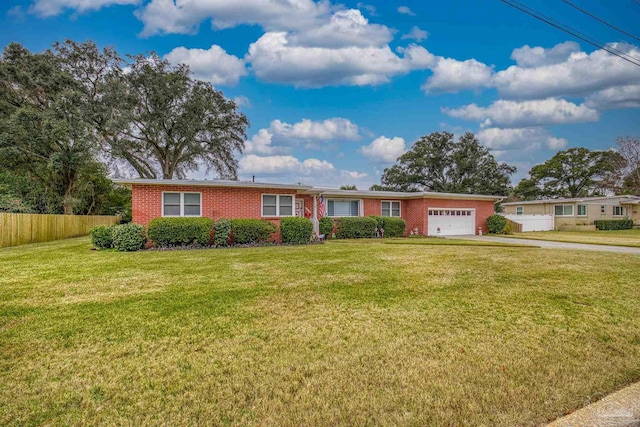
564, 210
343, 207
582, 210
603, 209
618, 211
391, 209
277, 205
519, 210
181, 204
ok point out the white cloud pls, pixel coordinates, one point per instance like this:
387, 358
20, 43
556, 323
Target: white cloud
451, 75
272, 165
405, 10
354, 174
280, 136
383, 149
329, 129
530, 57
46, 8
185, 16
416, 34
519, 138
371, 9
580, 75
242, 101
615, 97
273, 59
515, 114
214, 65
345, 28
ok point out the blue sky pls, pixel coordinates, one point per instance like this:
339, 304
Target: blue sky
335, 91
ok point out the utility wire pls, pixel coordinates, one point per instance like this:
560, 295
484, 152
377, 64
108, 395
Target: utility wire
517, 5
601, 20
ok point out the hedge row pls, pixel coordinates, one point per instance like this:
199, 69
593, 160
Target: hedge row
497, 224
124, 237
297, 231
167, 232
614, 224
251, 231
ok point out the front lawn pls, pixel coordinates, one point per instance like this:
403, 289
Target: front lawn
611, 238
321, 335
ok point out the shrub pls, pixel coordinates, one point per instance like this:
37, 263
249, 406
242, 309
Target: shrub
496, 224
356, 227
167, 232
248, 231
614, 224
326, 225
296, 230
129, 237
394, 227
222, 232
379, 221
102, 236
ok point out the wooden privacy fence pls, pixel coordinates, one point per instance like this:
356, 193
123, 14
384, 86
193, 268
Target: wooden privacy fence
19, 229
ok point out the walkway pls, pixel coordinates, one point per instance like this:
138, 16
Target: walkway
552, 245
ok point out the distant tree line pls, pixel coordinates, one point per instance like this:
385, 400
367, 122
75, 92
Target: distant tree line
437, 162
71, 114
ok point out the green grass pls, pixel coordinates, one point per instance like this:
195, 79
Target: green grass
611, 238
356, 333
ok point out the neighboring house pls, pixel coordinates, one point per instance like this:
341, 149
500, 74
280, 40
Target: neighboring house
577, 211
428, 213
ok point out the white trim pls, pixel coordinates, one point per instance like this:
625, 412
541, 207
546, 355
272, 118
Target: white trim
399, 202
573, 211
621, 210
520, 207
333, 199
181, 193
277, 196
295, 202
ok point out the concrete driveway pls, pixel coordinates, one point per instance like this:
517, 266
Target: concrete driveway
552, 245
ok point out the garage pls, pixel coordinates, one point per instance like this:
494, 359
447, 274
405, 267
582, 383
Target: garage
451, 222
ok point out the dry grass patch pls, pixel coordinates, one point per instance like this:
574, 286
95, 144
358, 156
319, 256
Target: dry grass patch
608, 237
334, 334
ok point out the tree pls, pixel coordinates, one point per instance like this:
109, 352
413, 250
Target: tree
576, 172
348, 187
43, 134
438, 163
630, 151
155, 118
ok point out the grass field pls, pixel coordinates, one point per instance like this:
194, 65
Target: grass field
359, 333
612, 238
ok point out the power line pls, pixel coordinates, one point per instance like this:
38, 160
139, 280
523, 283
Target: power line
601, 20
573, 32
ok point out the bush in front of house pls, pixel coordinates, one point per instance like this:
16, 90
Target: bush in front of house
394, 227
222, 232
297, 231
129, 237
356, 227
102, 236
169, 232
496, 224
614, 224
326, 225
251, 231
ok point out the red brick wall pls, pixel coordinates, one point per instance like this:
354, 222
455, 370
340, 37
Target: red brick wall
226, 202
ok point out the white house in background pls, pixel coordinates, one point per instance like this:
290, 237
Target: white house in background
553, 214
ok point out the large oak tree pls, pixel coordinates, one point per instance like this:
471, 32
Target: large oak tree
437, 162
576, 172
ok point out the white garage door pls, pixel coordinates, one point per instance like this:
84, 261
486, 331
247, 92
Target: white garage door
451, 222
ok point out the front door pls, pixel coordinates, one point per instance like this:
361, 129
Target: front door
300, 208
